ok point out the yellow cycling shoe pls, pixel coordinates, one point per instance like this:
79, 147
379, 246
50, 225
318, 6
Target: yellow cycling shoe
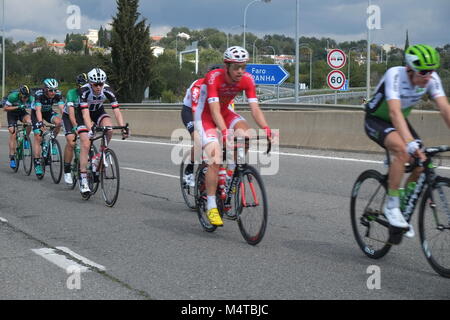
214, 217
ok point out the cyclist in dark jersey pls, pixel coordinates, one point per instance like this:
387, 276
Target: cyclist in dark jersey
42, 109
92, 96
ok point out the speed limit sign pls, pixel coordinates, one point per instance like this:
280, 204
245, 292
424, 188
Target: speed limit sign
336, 79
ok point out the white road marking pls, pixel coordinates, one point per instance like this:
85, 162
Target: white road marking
152, 172
3, 220
63, 262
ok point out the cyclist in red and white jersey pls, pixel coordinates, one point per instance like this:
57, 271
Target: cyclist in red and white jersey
213, 112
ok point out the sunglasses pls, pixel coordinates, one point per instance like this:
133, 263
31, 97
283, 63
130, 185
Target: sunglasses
425, 72
51, 90
237, 66
97, 84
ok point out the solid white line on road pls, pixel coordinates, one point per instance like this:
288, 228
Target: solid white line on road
152, 172
3, 220
279, 153
65, 263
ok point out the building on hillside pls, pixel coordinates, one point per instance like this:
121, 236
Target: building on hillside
157, 51
284, 59
59, 48
92, 36
156, 38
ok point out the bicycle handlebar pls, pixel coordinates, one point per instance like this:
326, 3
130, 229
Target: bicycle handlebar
257, 138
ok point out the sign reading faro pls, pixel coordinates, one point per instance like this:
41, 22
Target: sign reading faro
267, 74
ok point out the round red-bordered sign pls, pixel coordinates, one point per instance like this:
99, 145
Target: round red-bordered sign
336, 58
336, 79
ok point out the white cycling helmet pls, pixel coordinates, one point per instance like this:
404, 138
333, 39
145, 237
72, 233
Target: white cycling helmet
235, 54
97, 75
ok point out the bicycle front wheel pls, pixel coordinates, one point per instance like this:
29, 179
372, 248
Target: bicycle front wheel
370, 226
251, 206
27, 152
434, 226
56, 161
109, 177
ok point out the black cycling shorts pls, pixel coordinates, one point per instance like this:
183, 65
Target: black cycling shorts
15, 116
187, 118
378, 129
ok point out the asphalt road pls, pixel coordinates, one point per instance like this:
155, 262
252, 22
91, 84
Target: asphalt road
150, 246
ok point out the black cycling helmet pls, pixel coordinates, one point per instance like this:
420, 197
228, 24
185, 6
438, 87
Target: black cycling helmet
24, 91
82, 79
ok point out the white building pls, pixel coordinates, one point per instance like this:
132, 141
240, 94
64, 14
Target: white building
92, 36
157, 51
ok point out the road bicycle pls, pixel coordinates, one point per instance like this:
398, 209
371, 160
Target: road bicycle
24, 151
51, 154
372, 231
105, 166
245, 193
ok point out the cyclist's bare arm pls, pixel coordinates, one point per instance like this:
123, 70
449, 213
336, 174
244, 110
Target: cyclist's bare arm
258, 115
72, 116
217, 116
87, 118
118, 116
444, 107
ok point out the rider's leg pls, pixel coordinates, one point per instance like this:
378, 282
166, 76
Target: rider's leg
12, 141
106, 122
213, 154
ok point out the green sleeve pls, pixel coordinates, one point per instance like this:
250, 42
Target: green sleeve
72, 96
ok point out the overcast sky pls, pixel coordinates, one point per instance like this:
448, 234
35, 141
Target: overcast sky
343, 20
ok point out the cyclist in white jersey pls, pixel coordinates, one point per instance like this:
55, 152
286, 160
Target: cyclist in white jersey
386, 120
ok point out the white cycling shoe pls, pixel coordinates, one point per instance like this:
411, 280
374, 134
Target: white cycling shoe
68, 178
410, 233
84, 186
395, 218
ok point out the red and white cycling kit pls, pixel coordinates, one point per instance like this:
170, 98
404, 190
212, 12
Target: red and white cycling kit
216, 89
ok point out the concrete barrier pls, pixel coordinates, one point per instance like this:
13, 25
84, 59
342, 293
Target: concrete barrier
317, 129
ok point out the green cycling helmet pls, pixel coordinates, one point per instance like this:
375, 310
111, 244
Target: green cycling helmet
50, 83
422, 57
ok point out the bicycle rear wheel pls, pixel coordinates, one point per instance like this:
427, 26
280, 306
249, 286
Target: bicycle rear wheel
56, 160
251, 206
187, 190
434, 226
27, 151
201, 199
109, 177
370, 226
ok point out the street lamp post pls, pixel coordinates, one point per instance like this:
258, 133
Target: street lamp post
349, 61
368, 64
3, 50
305, 45
245, 16
297, 50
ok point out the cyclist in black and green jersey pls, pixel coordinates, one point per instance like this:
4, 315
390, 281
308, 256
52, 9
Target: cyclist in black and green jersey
71, 117
16, 106
386, 122
42, 109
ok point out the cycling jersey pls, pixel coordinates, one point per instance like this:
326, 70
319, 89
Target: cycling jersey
88, 99
46, 103
217, 89
192, 96
14, 100
395, 84
72, 100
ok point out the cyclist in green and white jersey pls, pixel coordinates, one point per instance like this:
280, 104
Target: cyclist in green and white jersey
386, 122
16, 106
71, 117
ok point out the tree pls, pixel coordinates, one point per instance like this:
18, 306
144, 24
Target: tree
131, 54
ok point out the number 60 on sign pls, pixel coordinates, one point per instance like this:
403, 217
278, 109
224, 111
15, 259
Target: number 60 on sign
336, 79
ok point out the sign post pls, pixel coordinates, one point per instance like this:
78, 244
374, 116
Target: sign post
336, 59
